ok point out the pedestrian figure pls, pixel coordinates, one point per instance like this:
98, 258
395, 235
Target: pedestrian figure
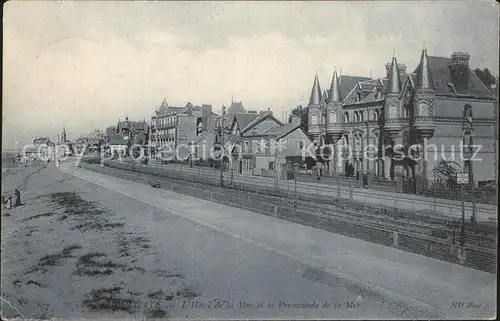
365, 180
18, 197
8, 205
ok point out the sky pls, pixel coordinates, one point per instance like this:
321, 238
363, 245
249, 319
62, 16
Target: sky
85, 65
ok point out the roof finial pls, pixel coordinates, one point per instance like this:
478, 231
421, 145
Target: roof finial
341, 71
425, 46
393, 53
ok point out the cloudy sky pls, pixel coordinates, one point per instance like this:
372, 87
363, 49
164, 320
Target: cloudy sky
86, 64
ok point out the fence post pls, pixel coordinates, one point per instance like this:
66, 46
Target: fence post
350, 191
395, 240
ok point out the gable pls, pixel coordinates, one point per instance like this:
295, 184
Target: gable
268, 119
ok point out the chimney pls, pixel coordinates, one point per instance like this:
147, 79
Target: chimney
295, 120
459, 69
206, 110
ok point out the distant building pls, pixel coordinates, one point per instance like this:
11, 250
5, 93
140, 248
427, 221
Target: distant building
260, 143
442, 101
136, 132
176, 128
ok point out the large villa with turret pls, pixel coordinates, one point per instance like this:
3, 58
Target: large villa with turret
442, 103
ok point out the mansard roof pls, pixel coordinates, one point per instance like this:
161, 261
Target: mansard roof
347, 83
441, 77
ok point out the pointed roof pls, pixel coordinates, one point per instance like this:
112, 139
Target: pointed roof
235, 108
335, 94
424, 76
164, 105
394, 85
324, 98
315, 92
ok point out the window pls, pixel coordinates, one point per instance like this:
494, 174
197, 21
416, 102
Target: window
423, 110
346, 117
333, 117
376, 114
393, 112
314, 119
467, 113
301, 145
362, 116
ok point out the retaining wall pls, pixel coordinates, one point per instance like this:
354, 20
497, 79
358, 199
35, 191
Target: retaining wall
280, 205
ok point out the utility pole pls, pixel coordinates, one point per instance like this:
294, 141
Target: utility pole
276, 178
222, 132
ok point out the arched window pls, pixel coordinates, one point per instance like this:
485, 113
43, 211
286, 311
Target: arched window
361, 116
393, 112
423, 110
346, 117
314, 119
199, 126
333, 117
467, 114
377, 114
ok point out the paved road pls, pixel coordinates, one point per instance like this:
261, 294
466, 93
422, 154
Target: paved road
446, 208
239, 255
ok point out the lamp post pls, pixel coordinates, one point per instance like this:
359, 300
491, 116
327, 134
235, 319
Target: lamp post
222, 132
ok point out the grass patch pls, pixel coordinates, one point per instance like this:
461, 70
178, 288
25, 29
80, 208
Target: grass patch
88, 265
34, 283
88, 258
166, 274
106, 299
187, 293
54, 259
48, 214
156, 295
156, 314
134, 268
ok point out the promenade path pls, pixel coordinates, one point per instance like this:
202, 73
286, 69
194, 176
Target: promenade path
446, 208
396, 279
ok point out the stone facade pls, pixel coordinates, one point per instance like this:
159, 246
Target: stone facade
441, 103
176, 128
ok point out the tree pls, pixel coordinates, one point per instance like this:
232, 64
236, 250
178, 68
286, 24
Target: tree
446, 174
304, 116
485, 76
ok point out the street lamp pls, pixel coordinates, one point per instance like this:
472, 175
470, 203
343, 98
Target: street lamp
461, 180
222, 133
